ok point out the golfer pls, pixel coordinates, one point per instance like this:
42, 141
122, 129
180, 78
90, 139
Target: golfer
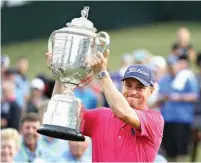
127, 131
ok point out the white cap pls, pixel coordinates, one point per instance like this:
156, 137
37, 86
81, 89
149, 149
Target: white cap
38, 84
127, 58
157, 62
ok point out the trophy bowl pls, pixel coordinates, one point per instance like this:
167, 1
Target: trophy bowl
71, 47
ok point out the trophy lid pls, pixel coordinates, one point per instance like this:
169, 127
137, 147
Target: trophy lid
83, 21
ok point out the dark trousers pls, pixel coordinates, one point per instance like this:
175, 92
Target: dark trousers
176, 138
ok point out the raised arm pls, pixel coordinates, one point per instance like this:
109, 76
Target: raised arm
118, 103
115, 99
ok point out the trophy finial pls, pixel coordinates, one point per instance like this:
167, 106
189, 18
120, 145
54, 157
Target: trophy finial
85, 11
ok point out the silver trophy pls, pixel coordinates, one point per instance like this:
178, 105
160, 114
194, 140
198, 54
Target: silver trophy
71, 46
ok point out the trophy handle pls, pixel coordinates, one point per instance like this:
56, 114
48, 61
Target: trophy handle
50, 42
102, 42
50, 47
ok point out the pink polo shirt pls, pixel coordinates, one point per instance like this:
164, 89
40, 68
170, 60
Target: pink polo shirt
115, 141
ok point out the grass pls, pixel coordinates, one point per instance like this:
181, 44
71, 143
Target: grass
157, 38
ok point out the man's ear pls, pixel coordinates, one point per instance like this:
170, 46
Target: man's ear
152, 89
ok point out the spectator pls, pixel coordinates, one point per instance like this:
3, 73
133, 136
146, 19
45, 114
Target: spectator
10, 110
9, 75
78, 151
10, 140
30, 149
37, 102
22, 83
175, 52
177, 95
183, 43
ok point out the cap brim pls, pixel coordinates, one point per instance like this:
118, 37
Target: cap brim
145, 83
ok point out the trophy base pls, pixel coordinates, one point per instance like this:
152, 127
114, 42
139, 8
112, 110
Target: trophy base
61, 132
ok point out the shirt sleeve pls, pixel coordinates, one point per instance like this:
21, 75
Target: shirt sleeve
151, 124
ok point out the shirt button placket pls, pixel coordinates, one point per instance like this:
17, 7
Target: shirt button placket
120, 133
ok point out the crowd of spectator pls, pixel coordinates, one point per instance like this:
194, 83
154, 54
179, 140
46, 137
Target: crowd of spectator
177, 95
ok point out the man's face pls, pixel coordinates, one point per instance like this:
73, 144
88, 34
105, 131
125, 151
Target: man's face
29, 132
136, 93
8, 89
23, 65
36, 92
173, 69
183, 37
183, 64
10, 77
8, 150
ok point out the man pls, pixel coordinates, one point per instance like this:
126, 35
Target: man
30, 150
127, 131
37, 102
10, 110
21, 81
178, 92
183, 44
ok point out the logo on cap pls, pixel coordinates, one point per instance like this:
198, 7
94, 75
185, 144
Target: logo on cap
137, 70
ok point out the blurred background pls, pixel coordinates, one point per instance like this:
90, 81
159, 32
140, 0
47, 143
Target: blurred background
141, 32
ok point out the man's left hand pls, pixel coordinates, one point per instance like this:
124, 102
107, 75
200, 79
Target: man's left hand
98, 62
